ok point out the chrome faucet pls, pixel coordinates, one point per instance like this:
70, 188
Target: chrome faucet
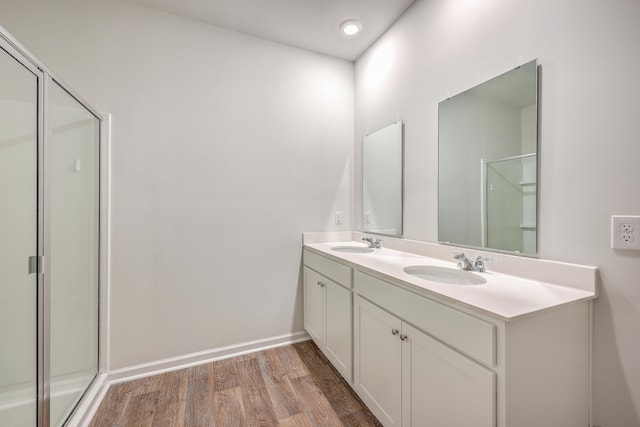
373, 243
466, 264
478, 264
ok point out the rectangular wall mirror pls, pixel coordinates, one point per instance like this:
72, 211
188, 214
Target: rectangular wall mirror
382, 153
487, 160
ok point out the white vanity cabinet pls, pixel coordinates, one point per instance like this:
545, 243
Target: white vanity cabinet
327, 310
408, 378
378, 361
420, 358
437, 379
422, 362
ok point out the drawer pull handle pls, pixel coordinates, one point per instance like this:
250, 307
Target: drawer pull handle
395, 332
403, 337
321, 284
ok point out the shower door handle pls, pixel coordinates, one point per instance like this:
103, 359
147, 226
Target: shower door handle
35, 264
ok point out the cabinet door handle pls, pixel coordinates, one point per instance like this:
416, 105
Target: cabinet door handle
321, 284
403, 337
395, 332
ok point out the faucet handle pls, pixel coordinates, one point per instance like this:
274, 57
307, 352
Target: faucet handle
373, 243
464, 263
478, 264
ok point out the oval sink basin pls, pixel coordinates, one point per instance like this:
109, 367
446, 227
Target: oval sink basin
352, 249
452, 276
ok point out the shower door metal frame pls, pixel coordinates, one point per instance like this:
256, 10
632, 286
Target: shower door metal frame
43, 277
42, 404
49, 81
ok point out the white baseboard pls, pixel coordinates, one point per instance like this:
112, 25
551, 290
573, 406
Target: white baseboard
185, 361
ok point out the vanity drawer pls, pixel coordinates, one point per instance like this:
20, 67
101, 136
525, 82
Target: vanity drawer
335, 271
468, 334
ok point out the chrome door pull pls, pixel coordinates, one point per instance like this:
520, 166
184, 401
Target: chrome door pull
35, 264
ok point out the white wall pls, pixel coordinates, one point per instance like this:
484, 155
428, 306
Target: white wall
225, 149
589, 139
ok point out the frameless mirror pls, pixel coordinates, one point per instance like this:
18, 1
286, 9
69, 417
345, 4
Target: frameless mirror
487, 160
382, 181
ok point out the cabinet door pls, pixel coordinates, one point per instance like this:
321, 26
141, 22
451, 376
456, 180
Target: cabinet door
378, 358
443, 388
338, 327
314, 306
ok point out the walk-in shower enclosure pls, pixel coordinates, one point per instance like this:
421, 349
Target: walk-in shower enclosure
49, 242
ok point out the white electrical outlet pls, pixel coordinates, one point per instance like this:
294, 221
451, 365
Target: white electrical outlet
625, 232
338, 218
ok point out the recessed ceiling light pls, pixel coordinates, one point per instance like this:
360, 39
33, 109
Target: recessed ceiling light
350, 27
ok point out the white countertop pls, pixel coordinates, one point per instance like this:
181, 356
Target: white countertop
504, 296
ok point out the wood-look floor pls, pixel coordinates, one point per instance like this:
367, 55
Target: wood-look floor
291, 386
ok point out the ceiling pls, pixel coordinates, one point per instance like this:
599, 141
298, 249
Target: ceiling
307, 24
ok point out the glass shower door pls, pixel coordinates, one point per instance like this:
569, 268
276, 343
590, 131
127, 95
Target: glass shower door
18, 242
73, 179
